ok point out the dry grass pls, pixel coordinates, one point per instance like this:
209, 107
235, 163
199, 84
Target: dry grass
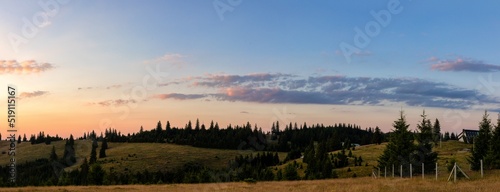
356, 184
168, 156
132, 156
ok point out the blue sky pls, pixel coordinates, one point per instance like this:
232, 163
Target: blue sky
248, 61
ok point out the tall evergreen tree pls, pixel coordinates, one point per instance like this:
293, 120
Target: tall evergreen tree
377, 136
102, 151
93, 156
71, 140
481, 143
493, 156
436, 132
400, 147
424, 153
53, 155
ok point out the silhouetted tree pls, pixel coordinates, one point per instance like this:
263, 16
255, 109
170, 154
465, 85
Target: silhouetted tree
53, 155
423, 153
436, 131
481, 143
102, 151
493, 155
400, 147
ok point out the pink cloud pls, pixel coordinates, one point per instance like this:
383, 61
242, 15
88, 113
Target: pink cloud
25, 67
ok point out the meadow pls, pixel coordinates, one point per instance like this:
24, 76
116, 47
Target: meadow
153, 156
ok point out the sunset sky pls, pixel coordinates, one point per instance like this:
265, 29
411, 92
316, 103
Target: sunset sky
89, 65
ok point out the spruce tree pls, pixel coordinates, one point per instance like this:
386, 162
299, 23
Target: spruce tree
400, 147
377, 136
481, 143
446, 136
424, 153
53, 155
436, 132
104, 144
493, 156
84, 172
102, 152
93, 156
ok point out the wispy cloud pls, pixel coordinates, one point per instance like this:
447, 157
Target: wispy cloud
25, 95
461, 64
115, 86
115, 102
178, 96
174, 59
24, 67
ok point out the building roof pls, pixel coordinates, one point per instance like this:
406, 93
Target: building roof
468, 135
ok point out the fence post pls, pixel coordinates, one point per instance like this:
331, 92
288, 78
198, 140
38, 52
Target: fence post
436, 171
385, 172
411, 175
455, 173
423, 171
482, 173
401, 171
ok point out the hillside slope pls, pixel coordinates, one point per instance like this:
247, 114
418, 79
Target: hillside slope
131, 157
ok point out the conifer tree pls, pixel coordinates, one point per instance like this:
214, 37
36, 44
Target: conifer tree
481, 143
377, 136
53, 155
93, 156
424, 153
493, 156
400, 147
102, 151
84, 171
436, 131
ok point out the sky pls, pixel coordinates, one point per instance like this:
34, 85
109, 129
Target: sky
81, 65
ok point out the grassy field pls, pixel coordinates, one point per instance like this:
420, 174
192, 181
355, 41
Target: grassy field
167, 156
131, 156
449, 150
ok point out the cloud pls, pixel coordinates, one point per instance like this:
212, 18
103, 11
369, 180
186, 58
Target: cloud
286, 88
178, 96
256, 79
460, 64
115, 102
174, 59
115, 86
245, 112
25, 95
25, 67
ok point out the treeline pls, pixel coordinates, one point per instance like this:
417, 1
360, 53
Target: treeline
242, 137
41, 138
